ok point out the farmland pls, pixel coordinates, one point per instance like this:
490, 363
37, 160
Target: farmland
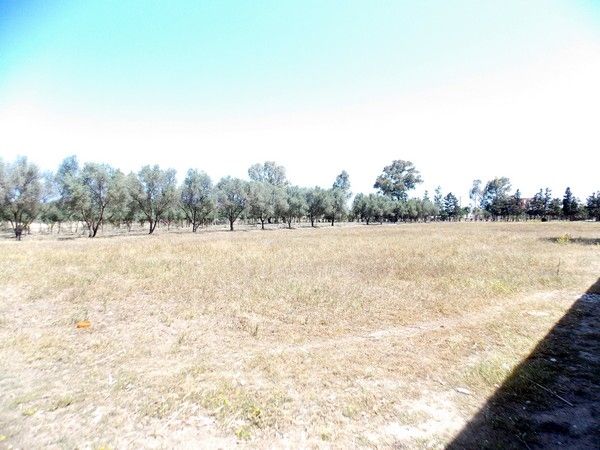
341, 336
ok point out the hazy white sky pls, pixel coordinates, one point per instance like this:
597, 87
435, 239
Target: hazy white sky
517, 94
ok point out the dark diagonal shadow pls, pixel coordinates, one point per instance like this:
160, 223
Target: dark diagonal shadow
552, 399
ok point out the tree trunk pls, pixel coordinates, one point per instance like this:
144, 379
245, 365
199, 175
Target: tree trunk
312, 222
231, 224
262, 224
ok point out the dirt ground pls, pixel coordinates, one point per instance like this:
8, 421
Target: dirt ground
377, 337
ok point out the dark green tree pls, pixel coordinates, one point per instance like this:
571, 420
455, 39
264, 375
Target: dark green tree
570, 205
593, 206
452, 209
516, 206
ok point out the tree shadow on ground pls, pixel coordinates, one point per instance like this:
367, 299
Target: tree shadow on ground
552, 399
573, 240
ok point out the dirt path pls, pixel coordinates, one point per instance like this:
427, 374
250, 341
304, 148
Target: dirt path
419, 328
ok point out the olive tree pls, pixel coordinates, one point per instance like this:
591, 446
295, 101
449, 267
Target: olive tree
89, 194
154, 191
20, 193
197, 197
260, 202
371, 207
318, 203
296, 206
232, 198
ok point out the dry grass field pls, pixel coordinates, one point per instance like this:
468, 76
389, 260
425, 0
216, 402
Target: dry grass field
340, 337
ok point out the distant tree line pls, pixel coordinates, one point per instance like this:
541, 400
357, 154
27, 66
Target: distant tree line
93, 194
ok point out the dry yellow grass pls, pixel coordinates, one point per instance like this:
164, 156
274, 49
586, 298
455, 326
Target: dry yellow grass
345, 336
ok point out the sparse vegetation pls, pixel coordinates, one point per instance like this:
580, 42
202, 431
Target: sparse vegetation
335, 336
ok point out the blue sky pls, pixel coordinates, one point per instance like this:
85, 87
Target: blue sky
462, 88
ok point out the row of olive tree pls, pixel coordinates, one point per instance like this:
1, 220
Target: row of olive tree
97, 193
94, 194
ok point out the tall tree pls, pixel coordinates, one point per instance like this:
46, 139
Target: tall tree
537, 207
494, 198
268, 172
232, 198
397, 179
516, 206
475, 194
340, 194
20, 193
547, 201
438, 202
555, 208
196, 197
569, 205
154, 190
452, 209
